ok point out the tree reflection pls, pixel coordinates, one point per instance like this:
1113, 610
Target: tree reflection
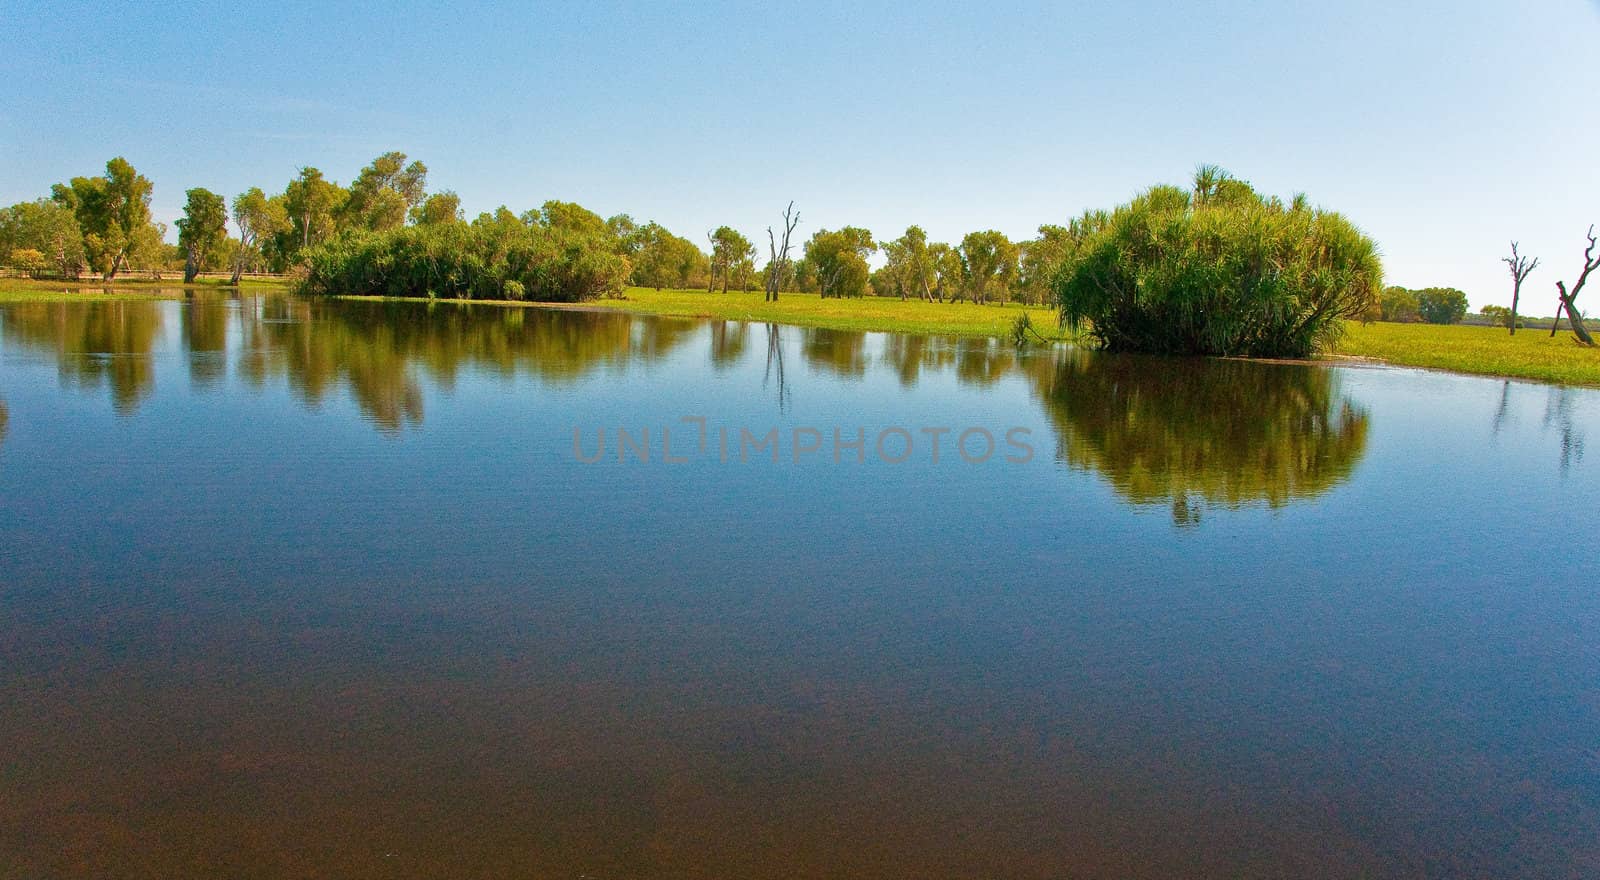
203, 326
841, 352
94, 343
1192, 432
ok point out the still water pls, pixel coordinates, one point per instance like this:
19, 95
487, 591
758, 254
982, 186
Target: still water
294, 589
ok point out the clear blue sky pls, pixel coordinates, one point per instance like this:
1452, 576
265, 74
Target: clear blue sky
1442, 128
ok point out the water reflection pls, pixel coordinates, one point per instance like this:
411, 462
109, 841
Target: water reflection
1558, 416
95, 344
1190, 432
1179, 432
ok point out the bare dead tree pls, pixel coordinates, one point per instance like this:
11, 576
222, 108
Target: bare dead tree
1520, 267
778, 265
1574, 317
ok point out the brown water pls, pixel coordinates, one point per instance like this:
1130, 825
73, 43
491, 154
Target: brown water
324, 590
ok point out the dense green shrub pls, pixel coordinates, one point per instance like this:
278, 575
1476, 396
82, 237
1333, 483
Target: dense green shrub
495, 257
1442, 305
1398, 304
1219, 271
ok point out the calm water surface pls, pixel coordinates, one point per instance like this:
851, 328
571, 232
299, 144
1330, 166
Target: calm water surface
295, 589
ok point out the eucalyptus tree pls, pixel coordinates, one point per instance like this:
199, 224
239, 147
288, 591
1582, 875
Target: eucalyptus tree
201, 229
1038, 261
1441, 305
385, 192
731, 255
947, 271
627, 234
910, 264
840, 258
46, 227
260, 220
312, 201
1520, 267
113, 212
988, 261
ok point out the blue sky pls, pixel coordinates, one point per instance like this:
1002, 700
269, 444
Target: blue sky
1443, 129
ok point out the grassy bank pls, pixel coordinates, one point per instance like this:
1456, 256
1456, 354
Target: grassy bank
809, 310
143, 288
1489, 351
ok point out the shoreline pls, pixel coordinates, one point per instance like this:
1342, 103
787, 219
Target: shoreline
1530, 356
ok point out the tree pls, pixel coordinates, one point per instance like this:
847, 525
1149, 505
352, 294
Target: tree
910, 266
1038, 261
385, 192
1520, 267
200, 230
1574, 317
778, 262
626, 232
259, 220
311, 201
441, 207
988, 259
1441, 305
112, 211
1397, 304
840, 259
1221, 271
731, 255
28, 260
46, 227
947, 271
1498, 316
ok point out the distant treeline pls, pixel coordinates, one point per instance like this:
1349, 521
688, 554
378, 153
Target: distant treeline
1213, 269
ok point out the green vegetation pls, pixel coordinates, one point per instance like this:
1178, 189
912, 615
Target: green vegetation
1484, 350
14, 290
1441, 305
1219, 270
1397, 304
201, 230
562, 253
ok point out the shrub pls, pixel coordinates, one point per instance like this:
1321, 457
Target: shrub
489, 259
1441, 305
1221, 271
1398, 304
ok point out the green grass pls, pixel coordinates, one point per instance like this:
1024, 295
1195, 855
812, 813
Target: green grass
127, 288
809, 310
1490, 351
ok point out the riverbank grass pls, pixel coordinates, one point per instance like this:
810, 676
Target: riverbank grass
880, 314
143, 288
1489, 351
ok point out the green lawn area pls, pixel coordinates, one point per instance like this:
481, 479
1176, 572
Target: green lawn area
1531, 354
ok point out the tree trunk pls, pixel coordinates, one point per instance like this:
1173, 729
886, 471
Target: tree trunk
1556, 324
1575, 321
1516, 292
191, 268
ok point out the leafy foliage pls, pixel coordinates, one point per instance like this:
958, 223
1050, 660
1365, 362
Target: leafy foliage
202, 228
1441, 305
555, 254
1220, 270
